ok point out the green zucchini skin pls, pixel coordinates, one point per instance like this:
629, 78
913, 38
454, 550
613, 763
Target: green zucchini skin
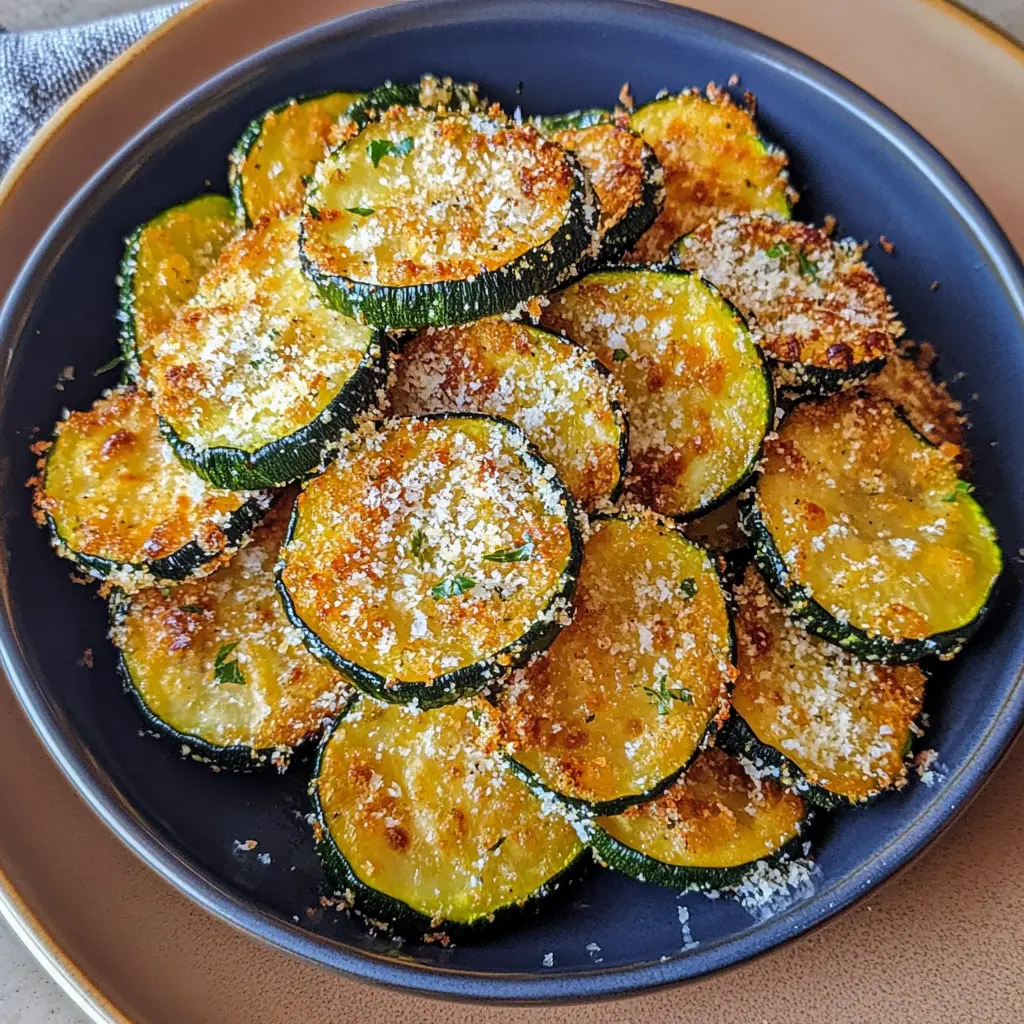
803, 380
819, 621
407, 94
301, 453
489, 293
235, 758
394, 915
612, 853
179, 565
737, 738
466, 681
574, 119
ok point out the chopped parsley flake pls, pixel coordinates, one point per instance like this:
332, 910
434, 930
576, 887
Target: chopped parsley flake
620, 355
519, 554
497, 844
193, 608
106, 367
689, 587
314, 212
778, 250
962, 487
662, 696
808, 268
419, 540
452, 587
225, 671
362, 211
380, 148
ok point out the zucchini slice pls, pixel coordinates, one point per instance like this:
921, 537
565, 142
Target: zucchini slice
279, 149
618, 706
427, 218
627, 178
707, 831
433, 557
844, 723
122, 507
714, 162
163, 262
908, 381
863, 529
421, 826
215, 666
552, 388
698, 396
256, 378
816, 308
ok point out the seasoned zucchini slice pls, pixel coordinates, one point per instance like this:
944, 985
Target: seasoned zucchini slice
163, 262
714, 162
553, 389
816, 308
698, 396
434, 556
864, 530
122, 507
421, 826
279, 149
257, 378
620, 703
431, 218
215, 665
908, 381
627, 178
430, 91
707, 831
843, 722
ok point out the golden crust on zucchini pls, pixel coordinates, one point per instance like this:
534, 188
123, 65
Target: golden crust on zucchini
553, 389
844, 722
115, 490
714, 163
419, 196
809, 299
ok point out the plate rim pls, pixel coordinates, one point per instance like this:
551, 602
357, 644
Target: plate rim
161, 856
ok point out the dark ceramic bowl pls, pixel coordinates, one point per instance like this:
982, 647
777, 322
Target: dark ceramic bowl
850, 157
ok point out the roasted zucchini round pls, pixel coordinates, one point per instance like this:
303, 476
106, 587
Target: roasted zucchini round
620, 703
697, 394
427, 218
164, 260
846, 724
432, 557
563, 398
256, 379
707, 831
816, 308
714, 162
430, 92
421, 826
627, 178
864, 530
278, 151
215, 666
122, 507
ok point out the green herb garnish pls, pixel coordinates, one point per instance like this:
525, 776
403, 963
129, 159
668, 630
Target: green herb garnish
689, 587
314, 211
962, 487
107, 367
661, 695
519, 554
362, 211
419, 540
808, 268
620, 355
380, 148
451, 587
193, 608
496, 845
225, 671
778, 250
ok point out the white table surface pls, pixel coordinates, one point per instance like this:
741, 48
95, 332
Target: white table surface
27, 994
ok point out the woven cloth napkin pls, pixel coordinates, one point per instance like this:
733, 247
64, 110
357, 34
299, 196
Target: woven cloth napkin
40, 70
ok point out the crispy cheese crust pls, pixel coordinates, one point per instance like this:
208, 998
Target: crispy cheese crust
563, 399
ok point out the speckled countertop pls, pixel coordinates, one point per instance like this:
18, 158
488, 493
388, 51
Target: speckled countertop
27, 994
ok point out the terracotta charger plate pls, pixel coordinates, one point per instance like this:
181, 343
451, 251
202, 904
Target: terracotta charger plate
128, 947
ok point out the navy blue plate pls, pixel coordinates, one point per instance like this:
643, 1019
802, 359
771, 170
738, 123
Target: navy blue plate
850, 157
